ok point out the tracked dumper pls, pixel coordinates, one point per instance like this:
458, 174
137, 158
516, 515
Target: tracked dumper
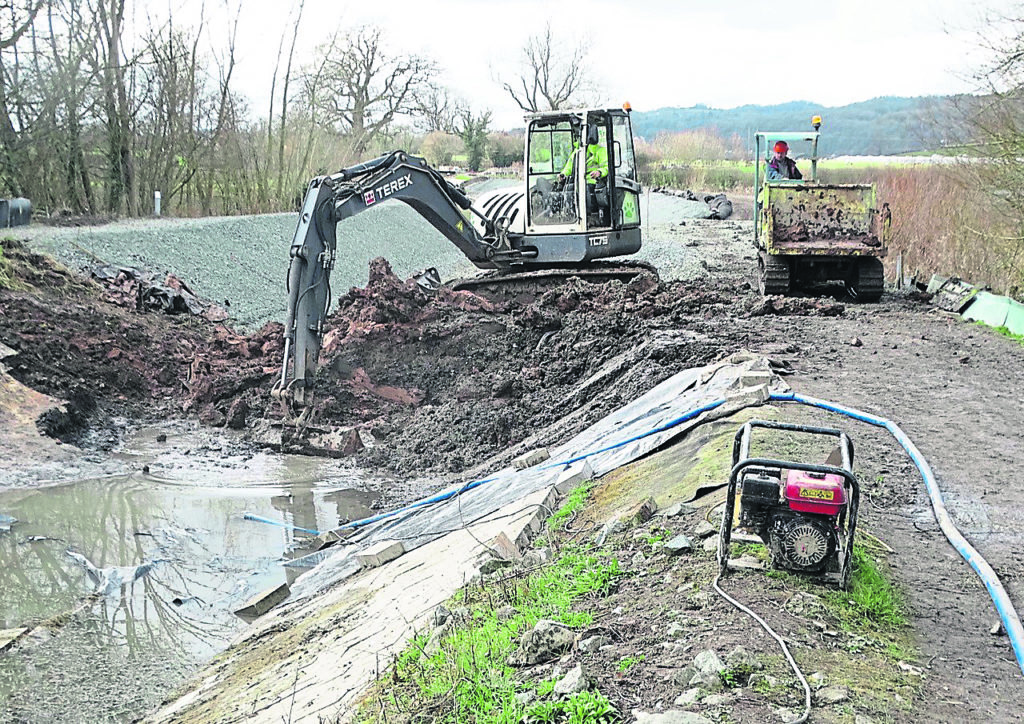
808, 232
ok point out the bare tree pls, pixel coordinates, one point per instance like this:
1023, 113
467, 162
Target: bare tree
360, 88
551, 79
21, 16
116, 67
437, 109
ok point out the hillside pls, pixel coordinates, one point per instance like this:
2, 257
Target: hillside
886, 125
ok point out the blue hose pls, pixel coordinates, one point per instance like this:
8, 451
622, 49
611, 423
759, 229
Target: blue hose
1007, 613
282, 524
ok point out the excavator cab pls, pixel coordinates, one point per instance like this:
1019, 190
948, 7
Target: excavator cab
581, 173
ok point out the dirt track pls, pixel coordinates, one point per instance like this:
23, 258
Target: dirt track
466, 377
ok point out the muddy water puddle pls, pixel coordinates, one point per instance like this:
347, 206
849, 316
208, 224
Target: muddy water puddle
127, 583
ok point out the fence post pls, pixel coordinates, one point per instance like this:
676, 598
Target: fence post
156, 203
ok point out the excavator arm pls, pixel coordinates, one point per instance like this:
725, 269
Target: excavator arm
332, 199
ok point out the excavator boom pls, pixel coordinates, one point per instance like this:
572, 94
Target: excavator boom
331, 199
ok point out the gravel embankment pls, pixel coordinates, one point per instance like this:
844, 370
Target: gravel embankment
244, 259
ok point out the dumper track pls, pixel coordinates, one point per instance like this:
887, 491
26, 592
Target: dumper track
870, 281
775, 277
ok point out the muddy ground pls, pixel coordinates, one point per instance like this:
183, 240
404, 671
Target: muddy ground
440, 384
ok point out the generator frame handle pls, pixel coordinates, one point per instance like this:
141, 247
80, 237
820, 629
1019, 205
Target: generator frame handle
741, 442
741, 461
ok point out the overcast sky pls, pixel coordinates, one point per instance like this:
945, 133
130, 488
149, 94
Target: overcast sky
654, 53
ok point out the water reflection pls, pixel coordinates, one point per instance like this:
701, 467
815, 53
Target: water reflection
111, 644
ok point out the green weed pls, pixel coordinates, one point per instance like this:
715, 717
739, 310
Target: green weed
583, 708
872, 602
576, 500
628, 662
736, 676
1004, 332
757, 550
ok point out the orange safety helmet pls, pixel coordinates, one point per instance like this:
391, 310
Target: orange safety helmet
781, 147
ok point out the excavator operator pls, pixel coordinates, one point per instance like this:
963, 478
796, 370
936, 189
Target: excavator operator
596, 168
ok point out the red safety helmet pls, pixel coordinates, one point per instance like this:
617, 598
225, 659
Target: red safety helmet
781, 147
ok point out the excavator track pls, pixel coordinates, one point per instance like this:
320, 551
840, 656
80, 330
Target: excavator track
594, 272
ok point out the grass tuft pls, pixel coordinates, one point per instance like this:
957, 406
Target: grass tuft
468, 679
873, 602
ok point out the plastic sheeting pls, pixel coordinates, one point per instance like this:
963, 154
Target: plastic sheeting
996, 311
670, 409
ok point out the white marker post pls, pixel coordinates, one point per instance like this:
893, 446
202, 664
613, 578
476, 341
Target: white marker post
156, 203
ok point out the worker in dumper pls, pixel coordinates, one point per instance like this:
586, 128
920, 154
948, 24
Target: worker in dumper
781, 167
596, 167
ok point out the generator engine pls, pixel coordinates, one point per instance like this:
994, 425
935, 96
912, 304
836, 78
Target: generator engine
797, 513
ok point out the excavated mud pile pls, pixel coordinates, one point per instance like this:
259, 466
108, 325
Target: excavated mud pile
112, 362
442, 382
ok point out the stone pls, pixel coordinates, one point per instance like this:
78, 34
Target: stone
672, 716
911, 669
676, 630
574, 475
997, 629
438, 635
211, 416
748, 563
526, 697
788, 716
611, 527
717, 700
441, 615
708, 681
380, 553
546, 641
863, 719
816, 680
572, 683
679, 544
710, 545
856, 342
593, 643
704, 530
263, 602
707, 661
683, 676
762, 680
325, 540
528, 460
690, 696
832, 695
536, 557
739, 657
699, 600
461, 615
237, 414
637, 560
672, 511
351, 443
489, 564
506, 613
641, 512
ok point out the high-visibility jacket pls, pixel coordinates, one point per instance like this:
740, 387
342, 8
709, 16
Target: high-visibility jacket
597, 160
